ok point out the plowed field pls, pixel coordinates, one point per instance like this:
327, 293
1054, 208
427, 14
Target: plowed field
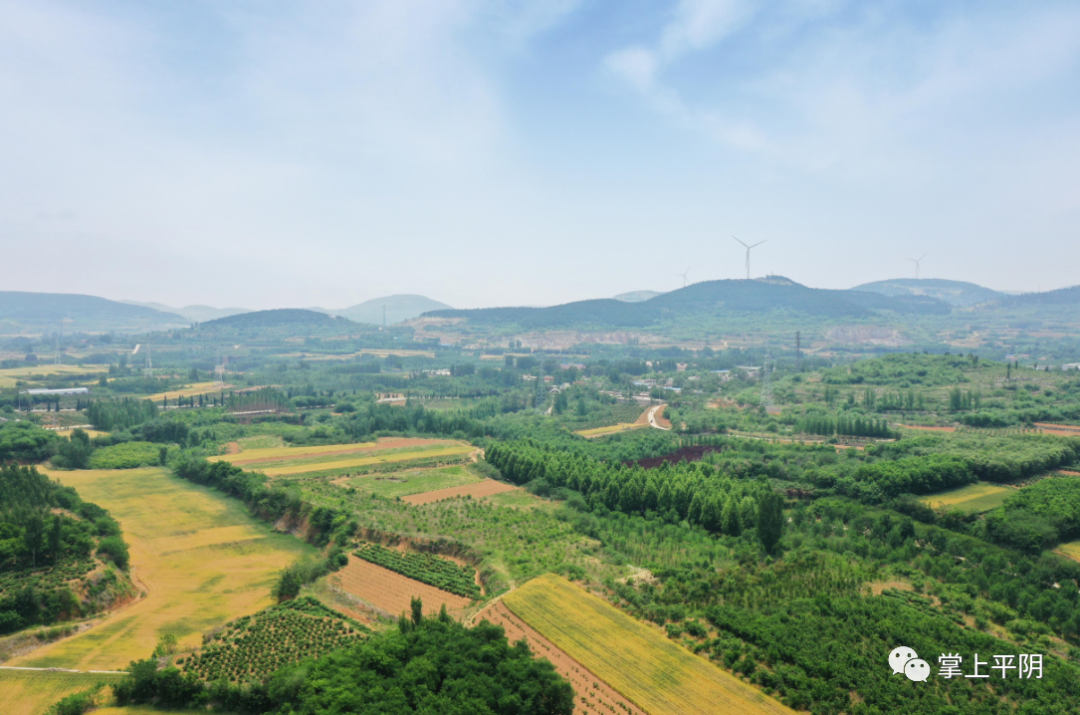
592, 695
391, 592
486, 488
648, 669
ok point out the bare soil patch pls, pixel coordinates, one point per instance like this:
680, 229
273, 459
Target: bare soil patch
879, 587
486, 488
1061, 429
592, 695
232, 448
391, 592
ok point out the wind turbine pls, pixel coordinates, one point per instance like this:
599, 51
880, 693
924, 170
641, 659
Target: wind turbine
748, 254
916, 262
683, 275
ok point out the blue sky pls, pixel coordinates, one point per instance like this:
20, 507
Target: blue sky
269, 154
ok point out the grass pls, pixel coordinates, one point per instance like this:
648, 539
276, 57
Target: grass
973, 499
657, 675
344, 464
9, 376
26, 692
262, 441
518, 499
417, 481
200, 557
612, 429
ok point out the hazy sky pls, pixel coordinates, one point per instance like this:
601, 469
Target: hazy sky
266, 153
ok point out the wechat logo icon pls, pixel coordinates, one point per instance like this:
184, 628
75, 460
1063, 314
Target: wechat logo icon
905, 660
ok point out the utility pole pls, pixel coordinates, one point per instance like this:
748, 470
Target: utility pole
798, 350
766, 384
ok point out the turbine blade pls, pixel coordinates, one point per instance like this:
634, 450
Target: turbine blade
741, 242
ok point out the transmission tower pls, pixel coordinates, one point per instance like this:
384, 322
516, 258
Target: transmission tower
149, 371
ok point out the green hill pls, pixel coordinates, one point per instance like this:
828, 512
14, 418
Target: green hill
956, 293
25, 311
281, 317
709, 298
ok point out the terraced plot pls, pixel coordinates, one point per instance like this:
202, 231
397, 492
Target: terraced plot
477, 490
329, 467
655, 674
391, 592
194, 390
611, 429
973, 498
9, 376
199, 557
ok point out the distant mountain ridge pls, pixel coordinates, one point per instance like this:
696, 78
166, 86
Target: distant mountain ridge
77, 312
707, 298
956, 293
636, 296
195, 313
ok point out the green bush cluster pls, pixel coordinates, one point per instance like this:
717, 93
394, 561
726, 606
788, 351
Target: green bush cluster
128, 455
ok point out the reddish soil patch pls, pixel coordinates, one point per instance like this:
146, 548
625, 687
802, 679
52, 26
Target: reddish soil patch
1051, 427
391, 592
1069, 472
478, 490
929, 429
591, 694
232, 448
660, 419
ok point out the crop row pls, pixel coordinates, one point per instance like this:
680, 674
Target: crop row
425, 568
251, 648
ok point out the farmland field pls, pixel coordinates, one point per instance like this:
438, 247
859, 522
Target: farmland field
29, 692
591, 695
477, 490
973, 498
9, 376
391, 592
199, 557
415, 481
337, 458
657, 675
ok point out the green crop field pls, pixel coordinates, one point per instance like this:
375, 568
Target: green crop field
414, 481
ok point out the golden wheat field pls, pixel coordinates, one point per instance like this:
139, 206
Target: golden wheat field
640, 663
29, 692
199, 557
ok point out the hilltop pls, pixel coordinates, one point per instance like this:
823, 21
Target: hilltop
956, 293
